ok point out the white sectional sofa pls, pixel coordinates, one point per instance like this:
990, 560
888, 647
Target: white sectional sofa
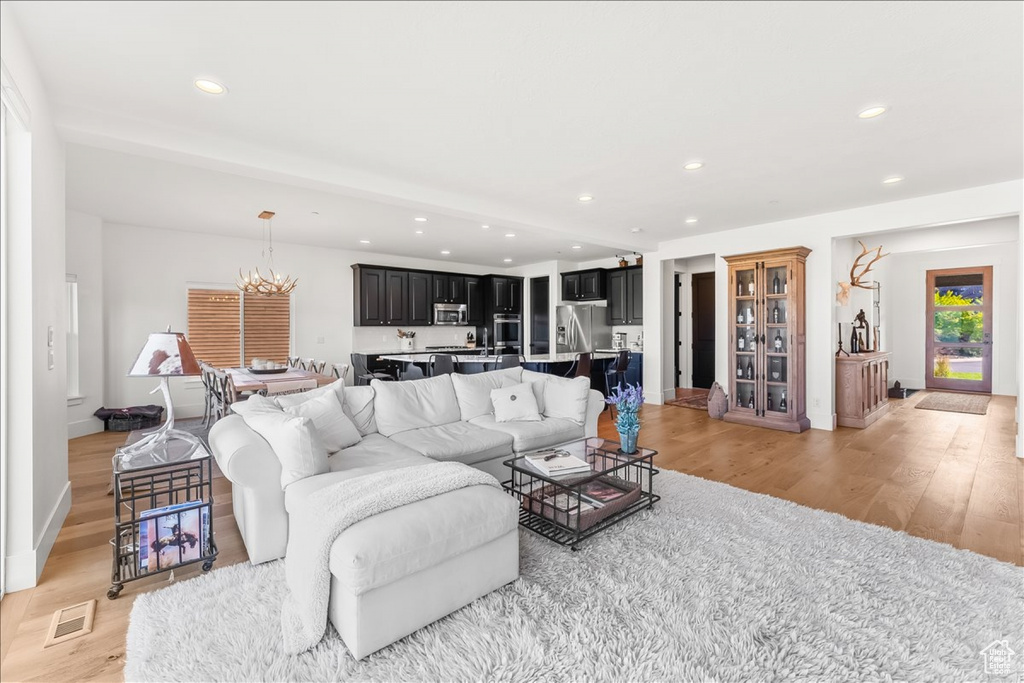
405, 568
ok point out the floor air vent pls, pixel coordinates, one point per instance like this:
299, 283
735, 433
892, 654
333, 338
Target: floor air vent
71, 622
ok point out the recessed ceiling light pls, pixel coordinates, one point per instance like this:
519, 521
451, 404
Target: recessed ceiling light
691, 221
872, 112
419, 232
315, 213
486, 227
693, 165
445, 252
364, 241
508, 260
637, 230
577, 246
510, 234
893, 179
585, 198
210, 87
420, 219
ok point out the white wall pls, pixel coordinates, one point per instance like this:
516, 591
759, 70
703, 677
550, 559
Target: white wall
38, 491
147, 291
84, 259
685, 268
816, 233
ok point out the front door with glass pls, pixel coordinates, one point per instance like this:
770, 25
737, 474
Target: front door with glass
958, 347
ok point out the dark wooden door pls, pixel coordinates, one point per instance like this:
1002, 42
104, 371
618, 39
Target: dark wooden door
372, 309
617, 302
396, 292
420, 299
703, 285
474, 301
540, 318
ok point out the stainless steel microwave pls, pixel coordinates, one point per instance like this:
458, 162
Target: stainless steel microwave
451, 314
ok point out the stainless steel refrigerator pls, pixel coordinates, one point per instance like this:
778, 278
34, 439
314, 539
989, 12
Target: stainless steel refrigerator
581, 328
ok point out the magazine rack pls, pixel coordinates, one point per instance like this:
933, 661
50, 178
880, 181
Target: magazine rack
163, 512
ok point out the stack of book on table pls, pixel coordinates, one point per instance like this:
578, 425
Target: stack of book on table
553, 462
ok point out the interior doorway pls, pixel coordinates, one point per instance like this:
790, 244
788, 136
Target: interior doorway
958, 328
703, 336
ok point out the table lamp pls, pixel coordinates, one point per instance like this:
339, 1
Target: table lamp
165, 354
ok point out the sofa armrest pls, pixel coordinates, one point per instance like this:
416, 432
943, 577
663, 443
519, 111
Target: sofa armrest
243, 455
595, 405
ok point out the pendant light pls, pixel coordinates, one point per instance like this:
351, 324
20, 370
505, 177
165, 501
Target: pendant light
258, 284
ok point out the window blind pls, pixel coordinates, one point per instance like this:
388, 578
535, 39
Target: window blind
214, 327
266, 321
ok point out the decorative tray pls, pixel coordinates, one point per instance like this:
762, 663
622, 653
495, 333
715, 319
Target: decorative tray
264, 371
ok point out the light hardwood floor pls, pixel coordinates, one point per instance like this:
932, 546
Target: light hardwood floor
948, 477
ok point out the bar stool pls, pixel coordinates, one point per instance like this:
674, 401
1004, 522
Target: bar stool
617, 371
363, 374
441, 364
584, 364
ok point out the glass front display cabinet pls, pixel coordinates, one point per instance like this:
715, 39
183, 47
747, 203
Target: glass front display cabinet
767, 339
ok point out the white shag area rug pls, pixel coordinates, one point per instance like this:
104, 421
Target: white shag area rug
715, 583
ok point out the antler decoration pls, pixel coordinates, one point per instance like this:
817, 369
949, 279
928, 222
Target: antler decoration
857, 278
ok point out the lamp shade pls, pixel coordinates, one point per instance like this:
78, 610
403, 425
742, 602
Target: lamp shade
166, 354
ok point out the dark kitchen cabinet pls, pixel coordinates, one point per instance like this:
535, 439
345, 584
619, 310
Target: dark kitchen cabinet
380, 296
507, 294
449, 289
474, 300
626, 296
420, 300
584, 285
396, 294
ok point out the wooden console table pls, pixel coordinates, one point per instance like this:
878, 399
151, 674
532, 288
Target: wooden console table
862, 388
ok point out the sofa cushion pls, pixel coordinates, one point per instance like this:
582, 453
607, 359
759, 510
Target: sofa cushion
529, 436
254, 404
295, 442
335, 428
398, 543
402, 406
567, 398
460, 441
474, 391
358, 405
515, 403
287, 400
537, 382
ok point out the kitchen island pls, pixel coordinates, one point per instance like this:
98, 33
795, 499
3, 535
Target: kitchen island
560, 364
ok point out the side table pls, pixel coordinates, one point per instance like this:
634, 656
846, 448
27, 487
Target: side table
163, 512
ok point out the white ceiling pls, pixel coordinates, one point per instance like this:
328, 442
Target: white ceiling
503, 113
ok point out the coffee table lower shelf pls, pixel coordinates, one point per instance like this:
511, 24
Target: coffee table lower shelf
572, 538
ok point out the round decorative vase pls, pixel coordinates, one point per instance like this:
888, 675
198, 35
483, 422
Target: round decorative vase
407, 343
627, 442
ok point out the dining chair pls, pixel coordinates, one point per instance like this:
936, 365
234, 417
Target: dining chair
362, 374
616, 372
294, 361
441, 364
207, 375
223, 393
340, 370
288, 387
508, 360
313, 365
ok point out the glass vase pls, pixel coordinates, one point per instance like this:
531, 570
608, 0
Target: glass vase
627, 441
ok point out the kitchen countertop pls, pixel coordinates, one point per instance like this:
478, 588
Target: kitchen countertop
417, 352
615, 351
532, 358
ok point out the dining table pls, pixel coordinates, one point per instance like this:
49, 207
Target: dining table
245, 380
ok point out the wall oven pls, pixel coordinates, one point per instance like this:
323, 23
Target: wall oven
451, 314
508, 331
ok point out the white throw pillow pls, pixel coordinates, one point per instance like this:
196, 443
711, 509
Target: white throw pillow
536, 384
567, 398
474, 391
254, 404
335, 429
358, 405
336, 387
401, 406
515, 404
295, 442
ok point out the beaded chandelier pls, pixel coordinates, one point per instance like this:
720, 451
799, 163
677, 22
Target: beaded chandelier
257, 283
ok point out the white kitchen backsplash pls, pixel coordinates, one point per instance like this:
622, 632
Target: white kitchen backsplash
367, 339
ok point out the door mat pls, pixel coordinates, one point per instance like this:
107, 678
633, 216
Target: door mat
696, 401
955, 403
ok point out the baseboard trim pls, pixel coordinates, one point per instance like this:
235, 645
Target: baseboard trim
24, 569
824, 421
84, 427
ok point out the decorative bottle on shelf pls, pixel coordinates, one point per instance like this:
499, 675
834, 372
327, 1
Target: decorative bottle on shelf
854, 347
750, 286
739, 317
742, 343
778, 342
739, 369
776, 285
782, 401
753, 343
739, 286
775, 311
750, 315
750, 369
750, 401
769, 401
785, 285
739, 401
